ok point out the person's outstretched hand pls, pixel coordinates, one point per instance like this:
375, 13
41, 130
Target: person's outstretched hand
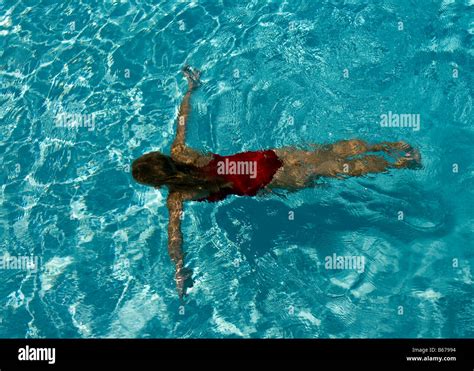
183, 278
192, 75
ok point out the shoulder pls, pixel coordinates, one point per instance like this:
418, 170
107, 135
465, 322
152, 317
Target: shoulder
189, 156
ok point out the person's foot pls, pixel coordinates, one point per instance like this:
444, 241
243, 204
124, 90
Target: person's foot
398, 148
192, 75
411, 160
183, 280
414, 159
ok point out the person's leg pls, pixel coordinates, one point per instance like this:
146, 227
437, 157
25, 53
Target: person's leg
345, 148
356, 158
297, 170
354, 167
345, 158
355, 147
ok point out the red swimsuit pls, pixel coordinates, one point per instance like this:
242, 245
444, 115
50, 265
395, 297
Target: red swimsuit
248, 172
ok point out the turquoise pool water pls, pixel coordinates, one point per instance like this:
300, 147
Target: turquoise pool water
275, 73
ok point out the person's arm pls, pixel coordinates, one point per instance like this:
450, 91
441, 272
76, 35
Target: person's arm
175, 242
179, 150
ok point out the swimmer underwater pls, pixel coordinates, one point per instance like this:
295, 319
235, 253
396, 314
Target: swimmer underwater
194, 176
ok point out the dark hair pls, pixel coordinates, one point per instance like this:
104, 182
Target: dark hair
156, 169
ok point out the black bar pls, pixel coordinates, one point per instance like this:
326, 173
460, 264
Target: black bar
84, 352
